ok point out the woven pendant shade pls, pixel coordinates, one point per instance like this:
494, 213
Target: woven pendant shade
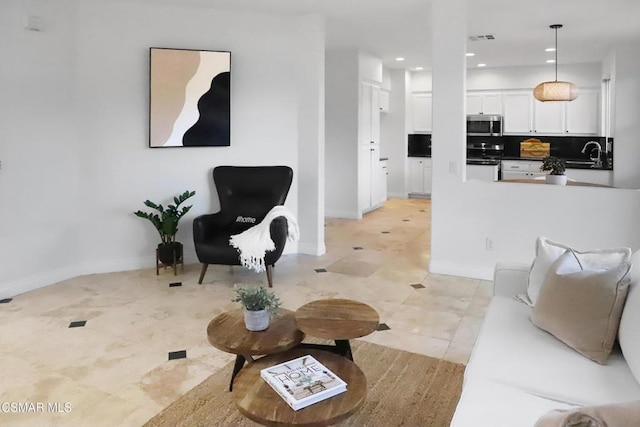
555, 91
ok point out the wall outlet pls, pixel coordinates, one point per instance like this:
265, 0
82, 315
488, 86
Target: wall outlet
453, 167
489, 244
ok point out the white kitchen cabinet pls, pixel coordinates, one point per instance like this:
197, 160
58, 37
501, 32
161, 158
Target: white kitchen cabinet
518, 112
420, 175
421, 111
383, 170
369, 113
523, 114
521, 169
483, 172
582, 114
484, 103
369, 184
384, 101
602, 177
548, 117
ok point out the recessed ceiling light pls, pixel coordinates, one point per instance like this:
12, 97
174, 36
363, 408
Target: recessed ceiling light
470, 54
399, 58
550, 49
419, 68
550, 61
482, 65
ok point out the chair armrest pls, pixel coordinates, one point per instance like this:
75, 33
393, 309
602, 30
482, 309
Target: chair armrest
510, 279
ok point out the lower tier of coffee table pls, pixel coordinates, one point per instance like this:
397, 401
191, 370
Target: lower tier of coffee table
256, 400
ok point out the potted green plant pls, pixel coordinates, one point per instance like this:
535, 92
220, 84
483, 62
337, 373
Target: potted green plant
166, 222
258, 303
556, 168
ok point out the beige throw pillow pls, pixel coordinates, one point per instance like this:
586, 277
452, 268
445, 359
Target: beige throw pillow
626, 414
548, 251
581, 307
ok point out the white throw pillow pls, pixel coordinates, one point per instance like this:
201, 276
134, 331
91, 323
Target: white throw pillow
629, 331
547, 252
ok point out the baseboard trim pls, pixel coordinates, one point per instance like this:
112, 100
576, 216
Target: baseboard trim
311, 249
452, 269
342, 214
36, 281
397, 196
43, 280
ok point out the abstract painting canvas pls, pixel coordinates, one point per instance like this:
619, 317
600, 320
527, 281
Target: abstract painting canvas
189, 98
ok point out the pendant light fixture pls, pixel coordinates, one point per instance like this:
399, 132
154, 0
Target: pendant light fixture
556, 90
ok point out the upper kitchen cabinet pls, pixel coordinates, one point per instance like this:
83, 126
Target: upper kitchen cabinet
422, 109
548, 117
523, 114
484, 102
582, 114
518, 112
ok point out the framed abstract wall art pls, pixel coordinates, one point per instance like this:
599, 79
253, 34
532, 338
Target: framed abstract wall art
189, 98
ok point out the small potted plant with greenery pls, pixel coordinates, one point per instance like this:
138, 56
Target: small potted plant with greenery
258, 303
166, 222
556, 168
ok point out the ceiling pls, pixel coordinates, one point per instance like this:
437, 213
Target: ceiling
392, 28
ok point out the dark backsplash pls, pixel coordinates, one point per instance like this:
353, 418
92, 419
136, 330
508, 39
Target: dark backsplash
565, 147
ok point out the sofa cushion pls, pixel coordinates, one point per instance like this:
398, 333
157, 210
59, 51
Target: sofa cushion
629, 331
547, 252
581, 307
512, 351
624, 414
487, 403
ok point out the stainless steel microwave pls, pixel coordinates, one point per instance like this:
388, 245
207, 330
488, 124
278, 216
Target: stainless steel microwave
484, 125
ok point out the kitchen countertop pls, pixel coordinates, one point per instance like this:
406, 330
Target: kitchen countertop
483, 162
569, 183
570, 163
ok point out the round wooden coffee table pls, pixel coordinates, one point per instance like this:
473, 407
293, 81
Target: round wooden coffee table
227, 332
337, 319
256, 400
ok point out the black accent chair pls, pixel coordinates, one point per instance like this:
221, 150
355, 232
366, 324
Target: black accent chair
246, 194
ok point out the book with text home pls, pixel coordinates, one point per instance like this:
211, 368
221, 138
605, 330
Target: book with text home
303, 381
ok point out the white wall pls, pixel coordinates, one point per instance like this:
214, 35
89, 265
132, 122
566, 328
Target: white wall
311, 149
345, 69
505, 78
464, 214
79, 174
626, 147
38, 145
341, 133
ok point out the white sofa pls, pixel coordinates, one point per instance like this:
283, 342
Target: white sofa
518, 372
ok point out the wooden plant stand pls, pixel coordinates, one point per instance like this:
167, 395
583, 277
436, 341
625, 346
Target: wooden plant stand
174, 264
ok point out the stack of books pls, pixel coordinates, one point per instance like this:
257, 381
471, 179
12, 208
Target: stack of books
303, 381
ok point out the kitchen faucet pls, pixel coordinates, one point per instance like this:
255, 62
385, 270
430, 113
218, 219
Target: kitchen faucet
598, 147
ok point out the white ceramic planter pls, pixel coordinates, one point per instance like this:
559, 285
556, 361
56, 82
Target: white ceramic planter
556, 179
256, 320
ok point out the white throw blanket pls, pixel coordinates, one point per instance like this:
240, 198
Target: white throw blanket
253, 244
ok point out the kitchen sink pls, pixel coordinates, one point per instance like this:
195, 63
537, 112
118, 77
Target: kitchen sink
580, 164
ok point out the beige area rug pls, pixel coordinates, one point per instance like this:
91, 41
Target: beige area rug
404, 389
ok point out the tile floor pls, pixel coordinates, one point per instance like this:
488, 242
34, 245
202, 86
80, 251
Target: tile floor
108, 349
